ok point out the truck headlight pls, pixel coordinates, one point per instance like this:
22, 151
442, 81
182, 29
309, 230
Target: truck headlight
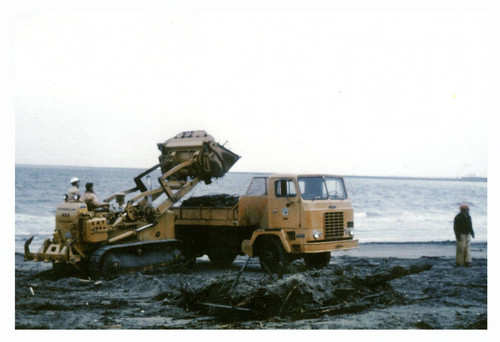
349, 231
317, 234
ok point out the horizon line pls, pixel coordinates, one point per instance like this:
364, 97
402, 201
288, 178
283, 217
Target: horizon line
468, 178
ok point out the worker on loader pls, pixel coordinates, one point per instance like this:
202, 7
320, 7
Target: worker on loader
90, 199
74, 190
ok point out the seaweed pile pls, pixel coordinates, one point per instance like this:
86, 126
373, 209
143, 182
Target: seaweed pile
296, 296
217, 201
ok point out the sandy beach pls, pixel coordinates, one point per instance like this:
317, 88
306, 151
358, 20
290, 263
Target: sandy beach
377, 286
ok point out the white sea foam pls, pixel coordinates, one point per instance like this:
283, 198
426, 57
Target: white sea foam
33, 224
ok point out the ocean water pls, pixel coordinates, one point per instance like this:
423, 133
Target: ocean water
386, 209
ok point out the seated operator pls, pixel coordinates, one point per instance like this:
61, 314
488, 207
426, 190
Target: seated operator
90, 199
74, 190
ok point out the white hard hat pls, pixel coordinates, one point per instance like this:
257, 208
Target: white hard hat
74, 179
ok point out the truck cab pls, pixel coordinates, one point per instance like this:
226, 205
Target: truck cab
297, 216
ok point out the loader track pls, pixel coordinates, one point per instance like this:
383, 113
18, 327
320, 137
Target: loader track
114, 260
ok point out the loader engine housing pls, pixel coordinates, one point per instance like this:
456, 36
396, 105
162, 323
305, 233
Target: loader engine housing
67, 217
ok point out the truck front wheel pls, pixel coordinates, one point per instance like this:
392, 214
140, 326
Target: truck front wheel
272, 255
317, 260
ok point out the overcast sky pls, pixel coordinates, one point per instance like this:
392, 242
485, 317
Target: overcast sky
352, 94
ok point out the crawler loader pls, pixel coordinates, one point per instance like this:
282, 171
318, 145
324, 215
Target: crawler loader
138, 234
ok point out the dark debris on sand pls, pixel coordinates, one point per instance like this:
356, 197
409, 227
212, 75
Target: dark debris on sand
298, 296
351, 293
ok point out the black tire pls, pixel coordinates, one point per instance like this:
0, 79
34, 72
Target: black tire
272, 255
317, 260
221, 258
222, 247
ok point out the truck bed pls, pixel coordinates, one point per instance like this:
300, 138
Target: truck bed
210, 210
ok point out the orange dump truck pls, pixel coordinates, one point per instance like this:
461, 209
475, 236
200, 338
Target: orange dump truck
281, 218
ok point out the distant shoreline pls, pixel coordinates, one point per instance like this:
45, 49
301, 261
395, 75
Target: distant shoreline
366, 248
461, 179
399, 250
412, 250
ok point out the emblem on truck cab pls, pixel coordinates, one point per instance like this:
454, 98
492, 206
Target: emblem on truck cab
284, 212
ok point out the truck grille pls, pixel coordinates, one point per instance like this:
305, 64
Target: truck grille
334, 225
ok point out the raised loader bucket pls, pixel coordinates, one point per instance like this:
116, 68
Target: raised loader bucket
212, 160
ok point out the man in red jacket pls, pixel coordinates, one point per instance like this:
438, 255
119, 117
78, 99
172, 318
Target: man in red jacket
464, 234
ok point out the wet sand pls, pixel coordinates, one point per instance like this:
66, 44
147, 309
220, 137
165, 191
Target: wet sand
378, 286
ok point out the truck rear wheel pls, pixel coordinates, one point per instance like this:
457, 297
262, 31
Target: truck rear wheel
272, 255
317, 260
223, 247
221, 258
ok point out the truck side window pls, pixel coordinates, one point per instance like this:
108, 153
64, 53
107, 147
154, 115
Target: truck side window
284, 188
257, 187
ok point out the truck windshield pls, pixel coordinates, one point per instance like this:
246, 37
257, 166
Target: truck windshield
322, 187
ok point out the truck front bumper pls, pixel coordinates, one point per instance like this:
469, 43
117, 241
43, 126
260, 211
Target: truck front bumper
328, 246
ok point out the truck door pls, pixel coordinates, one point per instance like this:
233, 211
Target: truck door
284, 208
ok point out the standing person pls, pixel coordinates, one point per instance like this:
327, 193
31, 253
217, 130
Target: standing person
90, 199
74, 190
464, 234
